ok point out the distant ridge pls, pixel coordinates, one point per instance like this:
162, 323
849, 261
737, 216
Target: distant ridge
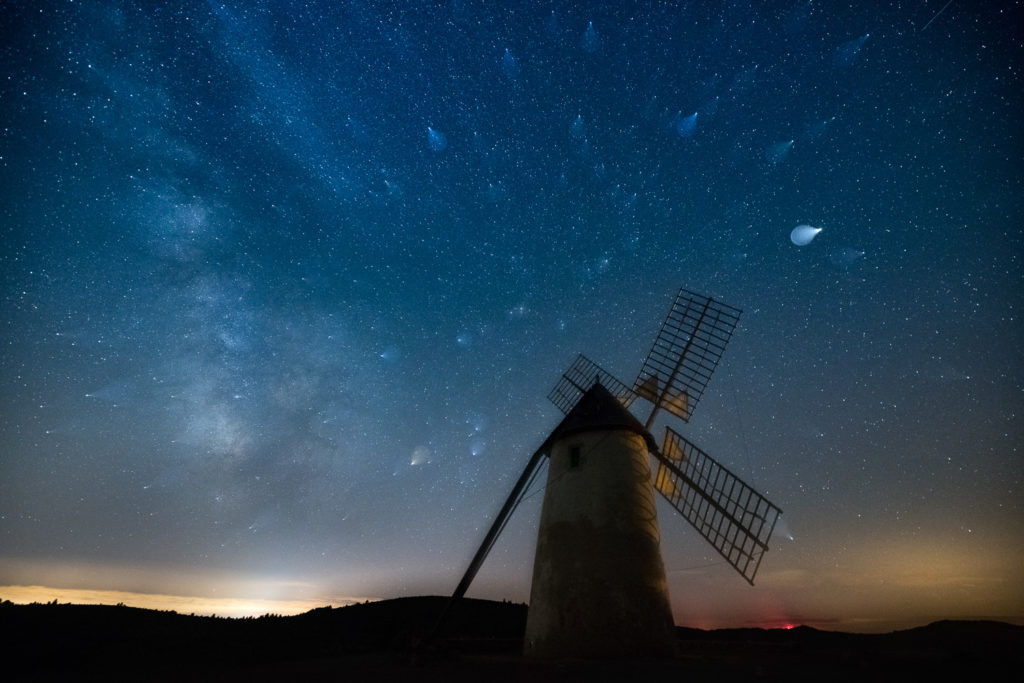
482, 641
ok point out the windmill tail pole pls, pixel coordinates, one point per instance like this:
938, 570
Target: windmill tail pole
492, 535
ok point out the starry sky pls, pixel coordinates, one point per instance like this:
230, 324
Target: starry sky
285, 286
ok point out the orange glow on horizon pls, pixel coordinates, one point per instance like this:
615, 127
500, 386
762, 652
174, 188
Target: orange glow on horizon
223, 607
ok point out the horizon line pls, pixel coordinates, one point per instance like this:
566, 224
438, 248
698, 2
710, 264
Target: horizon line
238, 608
182, 604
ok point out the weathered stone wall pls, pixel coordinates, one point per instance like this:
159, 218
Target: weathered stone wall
599, 587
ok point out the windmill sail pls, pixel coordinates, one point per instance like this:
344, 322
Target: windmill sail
648, 389
579, 377
734, 518
737, 520
685, 353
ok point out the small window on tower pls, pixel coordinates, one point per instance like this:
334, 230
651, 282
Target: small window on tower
574, 456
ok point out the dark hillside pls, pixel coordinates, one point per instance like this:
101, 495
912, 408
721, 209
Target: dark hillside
65, 639
481, 642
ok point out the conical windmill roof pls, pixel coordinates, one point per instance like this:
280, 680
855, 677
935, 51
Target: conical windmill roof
599, 410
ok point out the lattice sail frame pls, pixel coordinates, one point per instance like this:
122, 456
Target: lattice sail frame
732, 516
579, 377
685, 353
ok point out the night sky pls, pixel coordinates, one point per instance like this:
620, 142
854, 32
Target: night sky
285, 286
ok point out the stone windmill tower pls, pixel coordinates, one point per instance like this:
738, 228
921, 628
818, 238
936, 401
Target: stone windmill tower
599, 583
599, 586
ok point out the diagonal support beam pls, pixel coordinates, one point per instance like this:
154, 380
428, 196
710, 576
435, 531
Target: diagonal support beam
503, 515
511, 503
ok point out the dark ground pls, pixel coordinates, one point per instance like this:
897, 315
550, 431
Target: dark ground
383, 642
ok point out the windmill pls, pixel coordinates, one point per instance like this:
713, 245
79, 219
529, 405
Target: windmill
599, 585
